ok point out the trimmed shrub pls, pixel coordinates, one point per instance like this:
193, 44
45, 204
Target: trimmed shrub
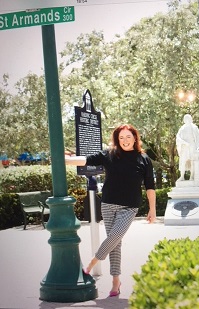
10, 211
38, 178
29, 179
79, 195
161, 202
25, 179
35, 178
170, 277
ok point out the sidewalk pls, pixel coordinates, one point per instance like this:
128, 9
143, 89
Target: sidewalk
25, 259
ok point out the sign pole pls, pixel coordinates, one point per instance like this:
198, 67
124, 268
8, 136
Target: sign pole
65, 280
94, 225
88, 141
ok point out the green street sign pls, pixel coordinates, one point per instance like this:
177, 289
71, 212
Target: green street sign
37, 17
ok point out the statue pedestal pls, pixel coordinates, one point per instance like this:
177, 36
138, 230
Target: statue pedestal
183, 207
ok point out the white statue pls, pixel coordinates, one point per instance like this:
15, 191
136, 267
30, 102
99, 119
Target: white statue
187, 141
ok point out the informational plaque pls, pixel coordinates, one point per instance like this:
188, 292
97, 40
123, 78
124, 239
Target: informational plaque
88, 134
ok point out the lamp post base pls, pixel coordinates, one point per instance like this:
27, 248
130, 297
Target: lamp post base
65, 280
80, 292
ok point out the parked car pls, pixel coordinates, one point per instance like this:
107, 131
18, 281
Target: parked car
28, 159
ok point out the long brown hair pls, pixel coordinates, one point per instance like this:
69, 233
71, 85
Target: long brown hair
115, 146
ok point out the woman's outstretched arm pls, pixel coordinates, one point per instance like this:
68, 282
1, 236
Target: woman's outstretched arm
75, 160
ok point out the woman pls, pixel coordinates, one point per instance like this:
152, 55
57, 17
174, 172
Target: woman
127, 167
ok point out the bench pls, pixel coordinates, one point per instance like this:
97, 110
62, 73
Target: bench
34, 203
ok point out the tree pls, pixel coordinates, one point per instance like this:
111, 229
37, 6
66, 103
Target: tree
136, 78
6, 120
133, 79
164, 59
24, 121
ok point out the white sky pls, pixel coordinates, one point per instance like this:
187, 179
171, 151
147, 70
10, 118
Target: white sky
21, 49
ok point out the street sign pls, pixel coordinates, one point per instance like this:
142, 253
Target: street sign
37, 17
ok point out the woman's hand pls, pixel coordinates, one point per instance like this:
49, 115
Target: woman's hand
151, 217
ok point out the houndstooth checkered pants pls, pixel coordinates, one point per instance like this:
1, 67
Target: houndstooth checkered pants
117, 220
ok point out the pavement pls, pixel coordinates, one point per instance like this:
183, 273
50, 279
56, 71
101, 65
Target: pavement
25, 257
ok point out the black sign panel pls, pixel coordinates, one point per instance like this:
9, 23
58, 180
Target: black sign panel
88, 134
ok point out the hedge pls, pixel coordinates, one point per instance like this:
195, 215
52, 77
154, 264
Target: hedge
35, 178
170, 277
38, 178
10, 211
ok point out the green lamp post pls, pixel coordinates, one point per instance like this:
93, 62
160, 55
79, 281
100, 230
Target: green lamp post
65, 281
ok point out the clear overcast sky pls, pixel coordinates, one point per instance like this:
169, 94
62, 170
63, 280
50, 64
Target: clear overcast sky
21, 49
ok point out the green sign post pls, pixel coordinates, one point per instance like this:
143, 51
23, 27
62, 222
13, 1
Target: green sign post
37, 17
65, 280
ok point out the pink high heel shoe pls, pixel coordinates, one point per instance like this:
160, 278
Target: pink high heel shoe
85, 271
115, 293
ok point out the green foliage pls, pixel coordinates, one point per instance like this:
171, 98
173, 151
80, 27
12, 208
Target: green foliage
79, 194
35, 178
138, 76
26, 179
29, 179
38, 178
10, 211
170, 277
161, 202
133, 79
23, 118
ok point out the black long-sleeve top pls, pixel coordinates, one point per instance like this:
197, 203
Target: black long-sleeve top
124, 176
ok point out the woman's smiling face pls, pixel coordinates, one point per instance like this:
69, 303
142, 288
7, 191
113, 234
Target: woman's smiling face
126, 140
